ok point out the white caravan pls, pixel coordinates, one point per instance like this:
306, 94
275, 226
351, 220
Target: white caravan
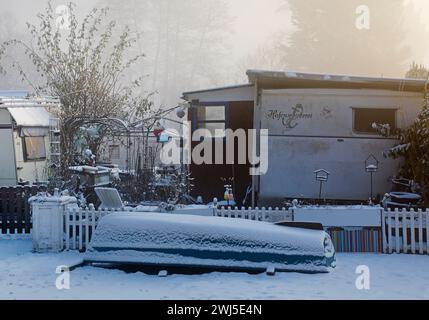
314, 122
25, 125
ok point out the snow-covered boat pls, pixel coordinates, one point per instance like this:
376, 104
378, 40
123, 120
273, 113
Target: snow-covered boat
154, 239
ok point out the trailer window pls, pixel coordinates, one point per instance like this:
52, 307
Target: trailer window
211, 118
34, 148
364, 118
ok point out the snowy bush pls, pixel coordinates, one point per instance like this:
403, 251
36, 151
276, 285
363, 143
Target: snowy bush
413, 147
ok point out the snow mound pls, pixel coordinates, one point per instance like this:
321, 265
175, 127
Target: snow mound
197, 241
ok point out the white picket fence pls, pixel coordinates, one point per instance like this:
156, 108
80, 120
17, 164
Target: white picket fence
79, 224
257, 214
405, 231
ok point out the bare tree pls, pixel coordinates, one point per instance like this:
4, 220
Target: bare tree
185, 42
81, 64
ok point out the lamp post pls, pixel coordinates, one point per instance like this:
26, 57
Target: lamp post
371, 166
322, 176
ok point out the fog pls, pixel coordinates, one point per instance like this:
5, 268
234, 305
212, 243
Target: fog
194, 44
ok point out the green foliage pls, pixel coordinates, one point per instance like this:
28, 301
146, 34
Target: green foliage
414, 150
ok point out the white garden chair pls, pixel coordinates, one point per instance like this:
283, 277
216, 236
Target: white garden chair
110, 198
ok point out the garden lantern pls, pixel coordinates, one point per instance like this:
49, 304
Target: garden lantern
371, 166
322, 176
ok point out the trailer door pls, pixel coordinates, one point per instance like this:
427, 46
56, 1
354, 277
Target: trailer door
7, 154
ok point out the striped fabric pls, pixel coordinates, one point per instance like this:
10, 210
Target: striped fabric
357, 240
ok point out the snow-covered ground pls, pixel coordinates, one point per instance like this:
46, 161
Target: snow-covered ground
25, 275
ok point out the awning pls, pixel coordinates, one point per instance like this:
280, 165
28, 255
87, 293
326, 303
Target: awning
32, 121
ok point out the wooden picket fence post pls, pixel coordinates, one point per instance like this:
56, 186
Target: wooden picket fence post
256, 214
405, 231
80, 224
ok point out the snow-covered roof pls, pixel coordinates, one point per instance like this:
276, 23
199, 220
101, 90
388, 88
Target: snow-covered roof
13, 94
290, 79
242, 92
30, 116
266, 79
219, 88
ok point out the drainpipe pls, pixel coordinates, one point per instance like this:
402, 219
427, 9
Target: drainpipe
256, 125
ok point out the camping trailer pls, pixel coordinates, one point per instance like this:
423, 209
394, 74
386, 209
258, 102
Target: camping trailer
25, 125
314, 122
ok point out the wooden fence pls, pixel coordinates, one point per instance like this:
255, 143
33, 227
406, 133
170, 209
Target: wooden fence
15, 213
79, 225
405, 231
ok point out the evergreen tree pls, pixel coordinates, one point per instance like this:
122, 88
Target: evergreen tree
328, 40
414, 150
417, 71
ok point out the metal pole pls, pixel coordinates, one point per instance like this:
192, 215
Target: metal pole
320, 190
182, 178
371, 187
181, 155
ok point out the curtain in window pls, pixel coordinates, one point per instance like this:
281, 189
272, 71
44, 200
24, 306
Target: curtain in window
34, 148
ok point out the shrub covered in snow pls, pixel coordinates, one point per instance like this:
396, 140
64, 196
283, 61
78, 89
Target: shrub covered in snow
413, 147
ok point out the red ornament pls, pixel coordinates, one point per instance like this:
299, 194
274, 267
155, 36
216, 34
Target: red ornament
158, 130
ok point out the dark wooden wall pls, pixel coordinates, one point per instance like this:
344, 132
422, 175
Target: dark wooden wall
207, 178
15, 213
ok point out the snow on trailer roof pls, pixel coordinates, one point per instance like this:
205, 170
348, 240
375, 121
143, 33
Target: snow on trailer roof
48, 102
290, 79
241, 92
300, 80
30, 116
238, 86
13, 94
16, 98
28, 111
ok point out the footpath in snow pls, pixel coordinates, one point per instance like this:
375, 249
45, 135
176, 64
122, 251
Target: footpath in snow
26, 275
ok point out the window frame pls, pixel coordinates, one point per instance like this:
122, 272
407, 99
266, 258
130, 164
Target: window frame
196, 122
25, 153
354, 109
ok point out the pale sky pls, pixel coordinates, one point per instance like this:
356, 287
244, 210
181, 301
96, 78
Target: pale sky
255, 20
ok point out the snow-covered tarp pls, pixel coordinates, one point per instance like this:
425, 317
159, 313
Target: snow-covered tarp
197, 241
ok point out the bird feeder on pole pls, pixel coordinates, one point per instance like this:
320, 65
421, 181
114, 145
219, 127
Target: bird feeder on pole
371, 166
322, 176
